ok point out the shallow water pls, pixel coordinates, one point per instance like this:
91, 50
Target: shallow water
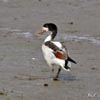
76, 38
63, 36
67, 37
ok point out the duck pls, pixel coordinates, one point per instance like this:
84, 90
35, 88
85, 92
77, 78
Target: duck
55, 53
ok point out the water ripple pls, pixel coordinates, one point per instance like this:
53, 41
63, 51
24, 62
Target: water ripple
60, 36
76, 38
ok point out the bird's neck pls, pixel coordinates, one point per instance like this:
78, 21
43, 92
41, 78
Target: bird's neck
51, 36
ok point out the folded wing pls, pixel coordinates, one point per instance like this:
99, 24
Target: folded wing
58, 49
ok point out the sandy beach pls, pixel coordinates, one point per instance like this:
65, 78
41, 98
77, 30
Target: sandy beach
23, 70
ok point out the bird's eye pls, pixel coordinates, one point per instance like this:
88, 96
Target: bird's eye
61, 50
45, 26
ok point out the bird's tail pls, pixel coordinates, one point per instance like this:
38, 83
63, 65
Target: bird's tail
71, 60
67, 66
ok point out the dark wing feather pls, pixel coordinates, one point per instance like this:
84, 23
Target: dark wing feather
52, 46
60, 53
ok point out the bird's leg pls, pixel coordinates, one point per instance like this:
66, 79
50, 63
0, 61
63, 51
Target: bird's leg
52, 68
56, 77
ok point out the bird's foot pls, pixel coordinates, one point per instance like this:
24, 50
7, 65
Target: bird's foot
55, 79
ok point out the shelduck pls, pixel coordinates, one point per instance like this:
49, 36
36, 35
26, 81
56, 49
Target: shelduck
54, 52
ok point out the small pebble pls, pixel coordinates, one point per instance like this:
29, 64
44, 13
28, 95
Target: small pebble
2, 93
93, 68
45, 84
33, 58
71, 23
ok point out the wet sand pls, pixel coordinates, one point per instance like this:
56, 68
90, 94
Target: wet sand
24, 75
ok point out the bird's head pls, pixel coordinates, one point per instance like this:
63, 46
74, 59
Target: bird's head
48, 27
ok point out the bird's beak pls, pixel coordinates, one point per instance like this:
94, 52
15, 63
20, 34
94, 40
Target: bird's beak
41, 31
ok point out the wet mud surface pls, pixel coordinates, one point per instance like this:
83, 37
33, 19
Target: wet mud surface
24, 75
